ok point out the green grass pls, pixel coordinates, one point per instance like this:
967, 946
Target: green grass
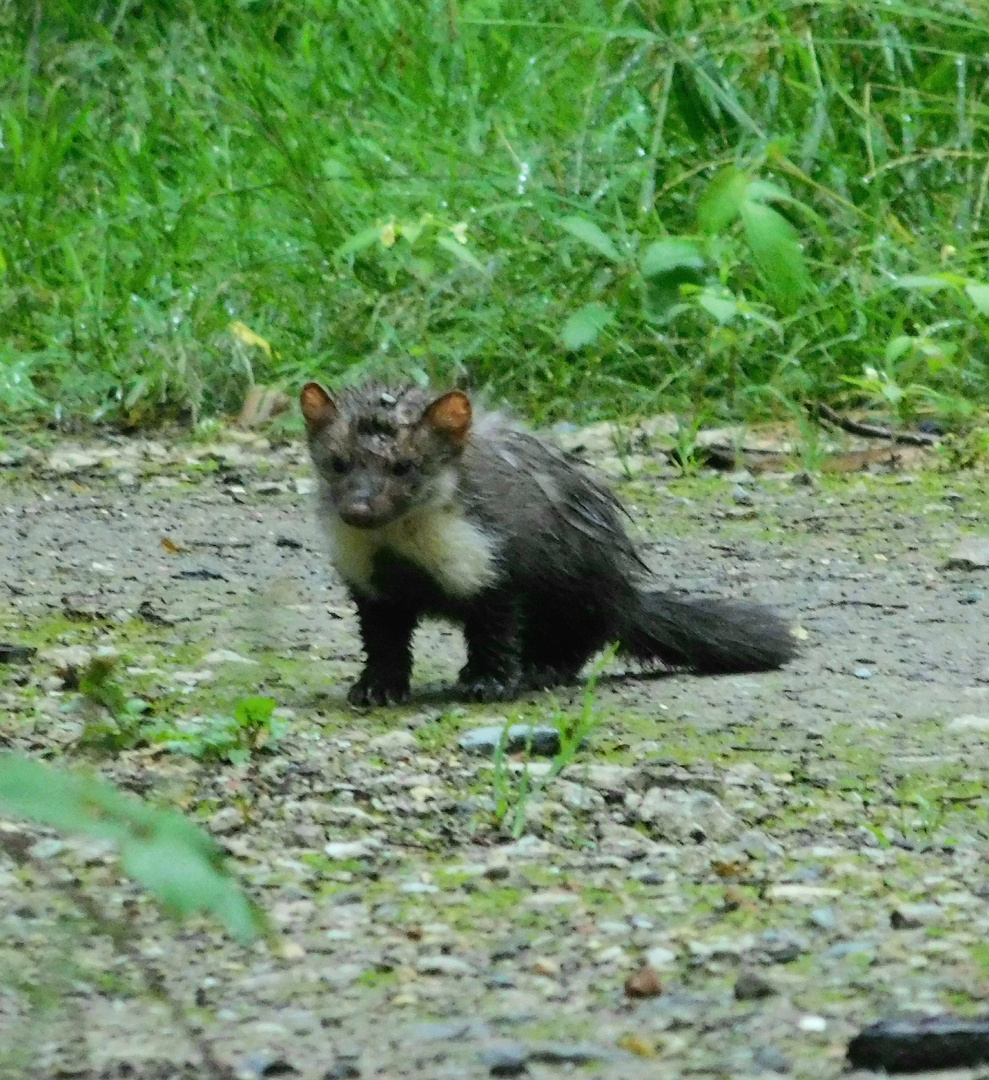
723, 208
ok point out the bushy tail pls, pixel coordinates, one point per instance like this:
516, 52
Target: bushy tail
714, 636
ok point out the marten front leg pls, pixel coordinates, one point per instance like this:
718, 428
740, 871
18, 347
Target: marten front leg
386, 630
493, 632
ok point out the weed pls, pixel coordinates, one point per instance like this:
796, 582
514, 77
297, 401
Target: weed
252, 726
590, 209
512, 796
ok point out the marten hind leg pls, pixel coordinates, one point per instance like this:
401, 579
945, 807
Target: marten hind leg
556, 644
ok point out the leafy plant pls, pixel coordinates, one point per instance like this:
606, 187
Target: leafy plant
513, 794
235, 738
664, 205
178, 864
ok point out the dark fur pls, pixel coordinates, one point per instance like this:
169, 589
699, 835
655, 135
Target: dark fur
568, 582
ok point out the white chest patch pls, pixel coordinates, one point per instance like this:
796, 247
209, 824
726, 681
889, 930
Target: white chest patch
458, 555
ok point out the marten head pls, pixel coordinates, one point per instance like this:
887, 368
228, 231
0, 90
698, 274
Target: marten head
381, 452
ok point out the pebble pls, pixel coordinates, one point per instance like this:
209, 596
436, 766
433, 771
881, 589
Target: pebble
682, 816
349, 849
542, 739
394, 744
644, 983
770, 1059
505, 1059
750, 986
344, 1068
443, 965
971, 554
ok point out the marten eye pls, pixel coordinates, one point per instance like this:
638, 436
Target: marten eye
401, 468
339, 464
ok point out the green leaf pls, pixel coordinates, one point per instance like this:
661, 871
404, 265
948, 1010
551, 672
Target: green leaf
722, 200
584, 325
461, 252
358, 242
929, 283
177, 862
187, 877
764, 191
722, 308
591, 234
254, 711
777, 253
672, 253
979, 295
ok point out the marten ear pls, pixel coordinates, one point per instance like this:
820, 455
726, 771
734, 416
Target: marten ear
450, 416
318, 408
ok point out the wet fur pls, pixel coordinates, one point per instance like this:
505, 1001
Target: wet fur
505, 534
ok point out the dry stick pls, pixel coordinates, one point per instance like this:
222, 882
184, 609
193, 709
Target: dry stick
871, 431
13, 845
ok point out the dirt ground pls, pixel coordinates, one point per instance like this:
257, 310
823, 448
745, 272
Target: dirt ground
775, 859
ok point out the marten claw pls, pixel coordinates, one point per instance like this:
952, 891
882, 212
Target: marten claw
370, 691
487, 688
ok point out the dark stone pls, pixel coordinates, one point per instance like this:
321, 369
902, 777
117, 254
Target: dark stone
505, 1059
913, 1045
751, 987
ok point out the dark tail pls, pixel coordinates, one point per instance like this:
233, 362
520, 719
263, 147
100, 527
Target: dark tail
714, 636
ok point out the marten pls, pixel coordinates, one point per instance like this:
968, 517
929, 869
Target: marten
434, 508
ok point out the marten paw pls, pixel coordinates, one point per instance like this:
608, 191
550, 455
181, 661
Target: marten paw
487, 688
374, 688
545, 678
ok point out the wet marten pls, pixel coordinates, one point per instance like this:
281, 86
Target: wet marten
433, 508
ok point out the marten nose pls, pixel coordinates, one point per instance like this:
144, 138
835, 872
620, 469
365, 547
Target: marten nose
359, 514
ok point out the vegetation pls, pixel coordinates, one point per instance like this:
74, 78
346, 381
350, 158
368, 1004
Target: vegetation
720, 206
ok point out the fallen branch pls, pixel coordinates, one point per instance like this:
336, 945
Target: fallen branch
870, 431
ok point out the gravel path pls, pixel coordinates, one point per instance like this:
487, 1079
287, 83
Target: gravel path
730, 878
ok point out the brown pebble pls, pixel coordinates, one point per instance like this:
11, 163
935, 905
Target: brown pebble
643, 983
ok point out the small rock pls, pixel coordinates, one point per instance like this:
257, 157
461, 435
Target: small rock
812, 1024
752, 987
505, 1059
741, 496
394, 744
350, 849
344, 1068
644, 983
971, 554
262, 1065
225, 656
660, 957
913, 1045
15, 654
913, 916
443, 965
685, 815
862, 673
540, 739
227, 820
770, 1059
781, 947
546, 965
969, 723
567, 1053
823, 918
802, 894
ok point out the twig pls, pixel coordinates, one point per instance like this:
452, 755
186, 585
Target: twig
14, 845
870, 431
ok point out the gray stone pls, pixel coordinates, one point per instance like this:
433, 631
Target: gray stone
685, 815
540, 739
505, 1059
